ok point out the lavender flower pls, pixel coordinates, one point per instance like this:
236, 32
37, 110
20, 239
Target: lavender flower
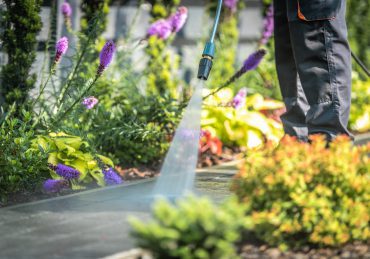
51, 185
253, 60
239, 99
66, 172
178, 19
90, 102
268, 25
106, 56
111, 177
161, 28
66, 10
61, 48
231, 4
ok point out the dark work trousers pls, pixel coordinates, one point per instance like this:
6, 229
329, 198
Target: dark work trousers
313, 61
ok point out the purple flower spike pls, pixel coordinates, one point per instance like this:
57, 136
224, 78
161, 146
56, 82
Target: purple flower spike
90, 102
253, 60
239, 99
51, 185
106, 56
61, 48
161, 28
231, 4
178, 20
111, 177
66, 172
66, 10
268, 25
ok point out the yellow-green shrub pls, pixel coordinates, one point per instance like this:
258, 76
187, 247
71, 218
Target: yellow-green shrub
307, 194
195, 228
73, 151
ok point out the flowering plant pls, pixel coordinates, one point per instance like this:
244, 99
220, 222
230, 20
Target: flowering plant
72, 162
299, 193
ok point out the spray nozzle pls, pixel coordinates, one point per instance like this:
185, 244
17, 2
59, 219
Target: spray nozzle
205, 64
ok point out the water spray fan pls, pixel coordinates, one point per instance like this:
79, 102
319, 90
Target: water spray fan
205, 64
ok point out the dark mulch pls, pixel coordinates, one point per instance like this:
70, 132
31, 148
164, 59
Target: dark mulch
132, 174
356, 250
209, 159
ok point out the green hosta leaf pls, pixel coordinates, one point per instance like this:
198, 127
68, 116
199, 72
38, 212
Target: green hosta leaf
106, 160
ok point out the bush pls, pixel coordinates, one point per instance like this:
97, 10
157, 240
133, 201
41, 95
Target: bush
359, 119
195, 228
298, 194
21, 167
247, 127
21, 22
76, 153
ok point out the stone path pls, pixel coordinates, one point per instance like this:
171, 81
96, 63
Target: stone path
90, 224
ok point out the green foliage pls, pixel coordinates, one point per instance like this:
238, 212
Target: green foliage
162, 8
162, 64
227, 45
91, 9
21, 167
137, 133
358, 14
21, 23
360, 109
73, 151
162, 67
194, 228
247, 127
264, 79
299, 194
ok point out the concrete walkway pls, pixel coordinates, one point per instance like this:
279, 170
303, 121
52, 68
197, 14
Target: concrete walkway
89, 224
93, 224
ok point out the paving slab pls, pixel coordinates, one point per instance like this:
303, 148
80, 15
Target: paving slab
90, 224
93, 224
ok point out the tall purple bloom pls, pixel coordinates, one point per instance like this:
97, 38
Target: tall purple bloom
178, 19
250, 63
66, 10
66, 172
268, 25
61, 48
111, 177
90, 102
161, 28
239, 99
231, 4
106, 56
253, 60
52, 185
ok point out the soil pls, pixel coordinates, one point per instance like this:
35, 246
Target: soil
356, 250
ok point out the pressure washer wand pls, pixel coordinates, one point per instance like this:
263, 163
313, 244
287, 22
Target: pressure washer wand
205, 64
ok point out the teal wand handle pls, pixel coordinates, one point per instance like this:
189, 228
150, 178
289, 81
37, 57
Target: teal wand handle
206, 62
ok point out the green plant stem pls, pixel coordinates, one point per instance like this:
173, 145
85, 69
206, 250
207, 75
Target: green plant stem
78, 99
51, 73
71, 77
226, 84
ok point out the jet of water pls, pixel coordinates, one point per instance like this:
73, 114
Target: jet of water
178, 171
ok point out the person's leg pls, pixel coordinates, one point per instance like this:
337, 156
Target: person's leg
295, 101
318, 34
